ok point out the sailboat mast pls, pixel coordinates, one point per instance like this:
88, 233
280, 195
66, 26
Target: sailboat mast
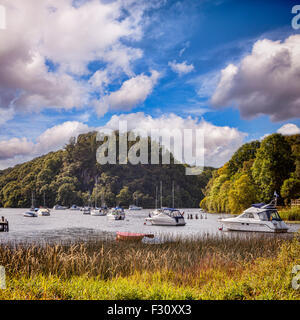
156, 196
161, 194
96, 193
173, 194
44, 200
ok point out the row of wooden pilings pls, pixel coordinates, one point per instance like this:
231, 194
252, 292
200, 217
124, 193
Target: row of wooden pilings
196, 216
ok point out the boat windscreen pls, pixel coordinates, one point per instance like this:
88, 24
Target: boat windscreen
269, 215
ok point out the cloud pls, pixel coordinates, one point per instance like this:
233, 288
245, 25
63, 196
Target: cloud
219, 142
15, 147
57, 136
18, 150
181, 68
266, 82
49, 44
132, 93
289, 129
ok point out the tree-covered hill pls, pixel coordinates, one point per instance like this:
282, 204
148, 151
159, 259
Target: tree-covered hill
68, 177
255, 171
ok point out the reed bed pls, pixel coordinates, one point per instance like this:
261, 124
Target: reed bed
290, 214
194, 268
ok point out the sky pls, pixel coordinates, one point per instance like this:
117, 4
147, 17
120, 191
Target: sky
228, 67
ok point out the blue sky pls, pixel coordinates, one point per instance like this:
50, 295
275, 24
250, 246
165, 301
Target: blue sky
200, 37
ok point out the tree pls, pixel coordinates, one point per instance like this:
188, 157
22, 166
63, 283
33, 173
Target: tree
124, 198
290, 189
272, 165
242, 194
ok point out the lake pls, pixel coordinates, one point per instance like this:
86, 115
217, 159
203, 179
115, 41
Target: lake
69, 226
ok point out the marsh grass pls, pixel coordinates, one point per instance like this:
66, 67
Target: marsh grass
197, 268
290, 214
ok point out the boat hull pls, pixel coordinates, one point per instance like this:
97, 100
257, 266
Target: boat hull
115, 217
252, 227
127, 236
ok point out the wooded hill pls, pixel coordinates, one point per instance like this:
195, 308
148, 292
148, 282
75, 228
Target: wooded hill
68, 177
255, 171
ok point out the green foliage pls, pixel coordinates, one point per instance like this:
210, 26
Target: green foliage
272, 165
68, 177
254, 172
290, 214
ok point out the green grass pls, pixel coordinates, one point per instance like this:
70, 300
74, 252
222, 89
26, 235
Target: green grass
290, 214
207, 268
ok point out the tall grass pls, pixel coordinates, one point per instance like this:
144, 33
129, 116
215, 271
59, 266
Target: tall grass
290, 214
206, 268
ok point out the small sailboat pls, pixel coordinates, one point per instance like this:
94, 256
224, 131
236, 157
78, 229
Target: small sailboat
74, 208
44, 211
59, 207
99, 212
166, 216
86, 210
133, 207
116, 214
32, 212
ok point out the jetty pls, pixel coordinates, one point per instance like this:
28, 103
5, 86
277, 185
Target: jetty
4, 227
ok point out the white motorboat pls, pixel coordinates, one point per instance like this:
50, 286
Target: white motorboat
133, 207
74, 208
167, 217
44, 212
260, 217
30, 214
86, 210
58, 207
100, 212
116, 214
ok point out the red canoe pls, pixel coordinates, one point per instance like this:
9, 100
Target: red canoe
133, 236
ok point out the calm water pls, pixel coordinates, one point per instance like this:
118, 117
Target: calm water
67, 225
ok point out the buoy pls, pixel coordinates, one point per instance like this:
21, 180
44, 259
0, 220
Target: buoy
221, 228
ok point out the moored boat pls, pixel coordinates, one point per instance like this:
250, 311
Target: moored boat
100, 212
30, 214
44, 212
133, 207
86, 210
116, 214
128, 236
260, 217
167, 217
58, 207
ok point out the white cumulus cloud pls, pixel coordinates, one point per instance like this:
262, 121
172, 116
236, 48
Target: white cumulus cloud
181, 68
132, 92
289, 129
266, 82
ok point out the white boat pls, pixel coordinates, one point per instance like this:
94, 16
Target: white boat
58, 207
167, 217
86, 210
74, 208
30, 214
100, 212
44, 212
260, 217
132, 207
116, 214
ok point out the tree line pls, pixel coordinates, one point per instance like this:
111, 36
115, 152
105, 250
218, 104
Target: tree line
254, 172
69, 177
